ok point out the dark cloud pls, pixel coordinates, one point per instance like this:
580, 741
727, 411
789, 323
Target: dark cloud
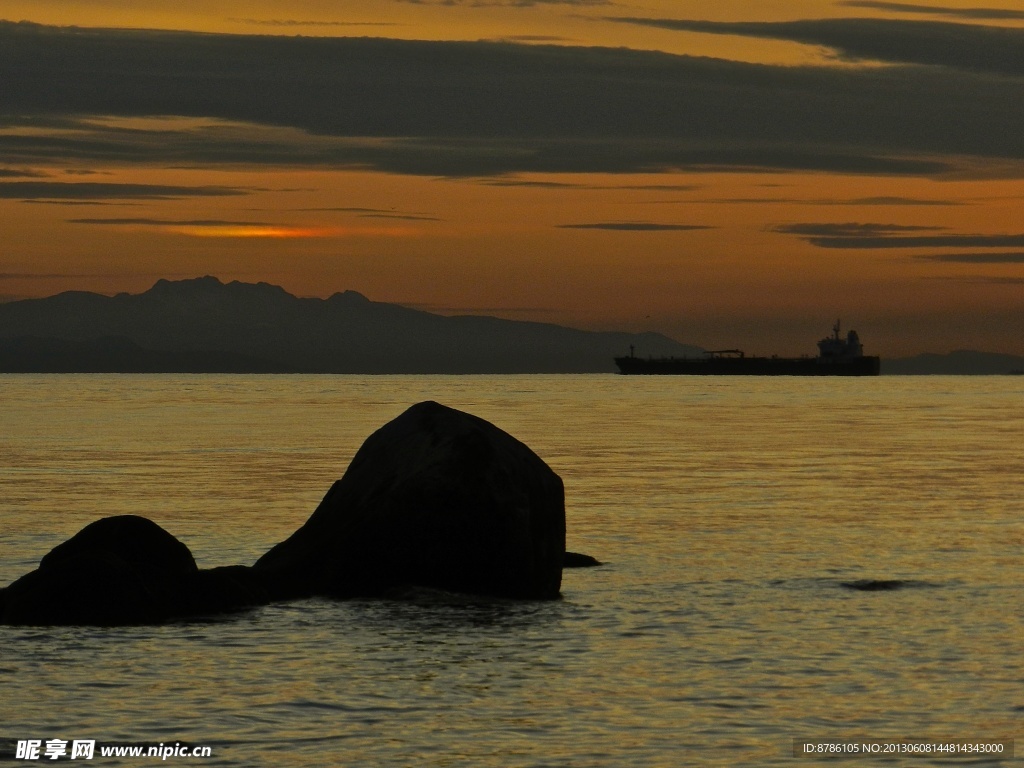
890, 200
976, 258
656, 187
634, 226
978, 14
881, 200
400, 216
374, 213
79, 190
356, 209
480, 109
539, 184
79, 203
460, 157
977, 279
312, 23
348, 209
506, 3
20, 173
530, 183
874, 236
851, 229
167, 222
963, 46
529, 39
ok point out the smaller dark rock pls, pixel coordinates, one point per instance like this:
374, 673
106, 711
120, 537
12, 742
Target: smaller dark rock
577, 560
136, 540
125, 570
97, 589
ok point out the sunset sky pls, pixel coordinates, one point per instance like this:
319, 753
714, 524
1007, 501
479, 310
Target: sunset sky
733, 174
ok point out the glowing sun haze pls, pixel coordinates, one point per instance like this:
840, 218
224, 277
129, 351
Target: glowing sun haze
737, 173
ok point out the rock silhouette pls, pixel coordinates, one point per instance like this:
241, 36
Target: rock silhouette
436, 498
123, 570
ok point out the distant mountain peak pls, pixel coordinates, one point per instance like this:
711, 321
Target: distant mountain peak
351, 297
209, 286
164, 286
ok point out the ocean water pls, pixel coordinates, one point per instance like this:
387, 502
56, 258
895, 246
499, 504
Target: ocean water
730, 513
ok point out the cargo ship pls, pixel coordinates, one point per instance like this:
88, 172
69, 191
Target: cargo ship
837, 356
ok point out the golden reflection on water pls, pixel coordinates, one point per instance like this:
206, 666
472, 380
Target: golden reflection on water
730, 511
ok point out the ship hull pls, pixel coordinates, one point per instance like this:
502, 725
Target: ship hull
749, 366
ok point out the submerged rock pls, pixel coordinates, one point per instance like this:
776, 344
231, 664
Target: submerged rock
435, 498
121, 570
579, 560
874, 585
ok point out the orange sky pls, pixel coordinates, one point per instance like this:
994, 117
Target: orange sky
611, 166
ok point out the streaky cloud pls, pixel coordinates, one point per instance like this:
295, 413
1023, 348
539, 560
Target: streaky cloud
98, 203
851, 229
975, 258
556, 185
21, 173
88, 190
878, 236
977, 279
482, 109
311, 23
879, 200
979, 14
970, 47
528, 39
479, 157
891, 200
399, 216
345, 209
654, 187
373, 213
131, 221
635, 226
506, 3
529, 183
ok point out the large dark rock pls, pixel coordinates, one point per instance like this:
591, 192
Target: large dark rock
123, 570
435, 498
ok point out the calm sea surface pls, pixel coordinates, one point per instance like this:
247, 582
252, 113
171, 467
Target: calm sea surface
729, 511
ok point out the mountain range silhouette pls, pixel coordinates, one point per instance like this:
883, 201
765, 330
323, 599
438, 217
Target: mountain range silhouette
205, 325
